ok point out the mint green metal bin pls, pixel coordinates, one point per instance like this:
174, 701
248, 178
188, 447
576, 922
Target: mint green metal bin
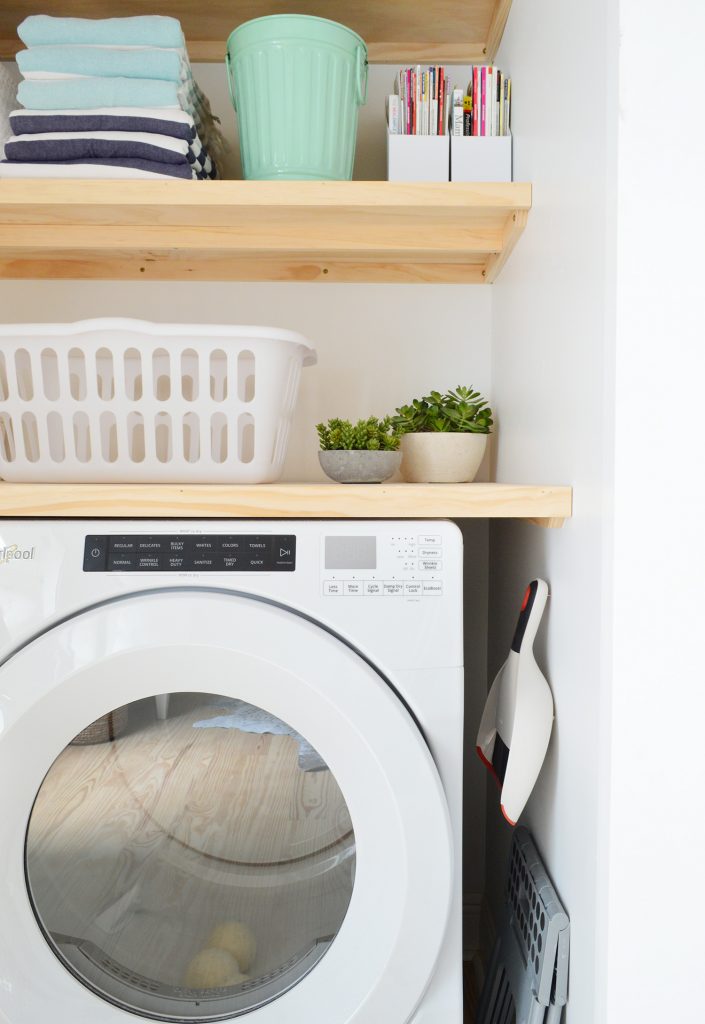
296, 83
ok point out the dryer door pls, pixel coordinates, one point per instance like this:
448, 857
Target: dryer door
276, 846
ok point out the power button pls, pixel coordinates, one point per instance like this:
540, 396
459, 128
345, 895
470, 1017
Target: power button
95, 554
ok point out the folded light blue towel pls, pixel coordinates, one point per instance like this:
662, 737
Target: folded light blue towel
89, 93
147, 30
104, 62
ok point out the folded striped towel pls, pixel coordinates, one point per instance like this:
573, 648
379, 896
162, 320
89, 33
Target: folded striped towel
103, 62
53, 146
145, 30
159, 120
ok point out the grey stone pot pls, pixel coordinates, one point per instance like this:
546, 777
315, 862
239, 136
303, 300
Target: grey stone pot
359, 467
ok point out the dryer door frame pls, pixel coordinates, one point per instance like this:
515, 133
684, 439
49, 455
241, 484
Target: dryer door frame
183, 639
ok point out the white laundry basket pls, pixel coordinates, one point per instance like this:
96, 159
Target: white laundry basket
125, 400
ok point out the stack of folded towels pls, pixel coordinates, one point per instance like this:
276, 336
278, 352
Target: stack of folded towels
109, 98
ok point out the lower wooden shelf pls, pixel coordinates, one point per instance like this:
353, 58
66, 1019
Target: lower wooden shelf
543, 504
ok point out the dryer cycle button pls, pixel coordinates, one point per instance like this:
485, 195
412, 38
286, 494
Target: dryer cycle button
149, 545
373, 588
430, 565
123, 544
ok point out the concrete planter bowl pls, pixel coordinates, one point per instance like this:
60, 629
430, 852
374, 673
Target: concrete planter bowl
441, 458
359, 467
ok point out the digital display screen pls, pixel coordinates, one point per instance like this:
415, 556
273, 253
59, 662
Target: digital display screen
351, 553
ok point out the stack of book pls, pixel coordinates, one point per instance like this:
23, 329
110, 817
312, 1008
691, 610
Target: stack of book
424, 102
485, 108
420, 104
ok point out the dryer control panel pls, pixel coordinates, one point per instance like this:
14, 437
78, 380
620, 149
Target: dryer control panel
407, 565
152, 552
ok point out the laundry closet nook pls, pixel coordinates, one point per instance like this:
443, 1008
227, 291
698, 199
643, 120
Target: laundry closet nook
569, 297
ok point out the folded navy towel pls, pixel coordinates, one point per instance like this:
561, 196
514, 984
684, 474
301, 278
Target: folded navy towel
29, 148
35, 122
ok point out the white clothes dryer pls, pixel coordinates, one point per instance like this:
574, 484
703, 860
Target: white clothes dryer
231, 756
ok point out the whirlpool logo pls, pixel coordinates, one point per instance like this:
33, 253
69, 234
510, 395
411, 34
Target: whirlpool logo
14, 553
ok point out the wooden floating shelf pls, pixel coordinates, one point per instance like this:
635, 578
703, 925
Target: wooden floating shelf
542, 504
396, 31
344, 231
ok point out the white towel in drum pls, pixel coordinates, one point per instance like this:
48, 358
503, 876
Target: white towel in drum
249, 718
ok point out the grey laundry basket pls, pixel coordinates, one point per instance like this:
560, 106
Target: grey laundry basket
527, 979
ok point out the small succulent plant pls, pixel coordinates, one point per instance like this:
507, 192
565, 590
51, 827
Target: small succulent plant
371, 435
459, 411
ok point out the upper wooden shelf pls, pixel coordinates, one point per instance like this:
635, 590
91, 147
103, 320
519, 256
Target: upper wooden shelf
542, 504
376, 231
396, 31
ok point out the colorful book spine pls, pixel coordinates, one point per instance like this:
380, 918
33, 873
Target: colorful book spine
467, 115
476, 97
490, 100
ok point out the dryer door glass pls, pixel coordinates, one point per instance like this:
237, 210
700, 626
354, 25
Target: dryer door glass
190, 857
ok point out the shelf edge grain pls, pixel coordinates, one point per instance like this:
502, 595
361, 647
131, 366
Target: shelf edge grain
545, 503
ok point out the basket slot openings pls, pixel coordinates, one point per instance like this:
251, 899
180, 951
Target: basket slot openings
246, 376
4, 391
30, 436
55, 433
135, 437
133, 375
50, 374
162, 437
219, 437
189, 374
245, 437
161, 375
105, 374
192, 438
23, 372
82, 436
219, 375
77, 374
108, 437
7, 437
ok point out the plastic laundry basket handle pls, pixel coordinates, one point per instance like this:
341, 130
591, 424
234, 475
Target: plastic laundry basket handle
361, 78
230, 80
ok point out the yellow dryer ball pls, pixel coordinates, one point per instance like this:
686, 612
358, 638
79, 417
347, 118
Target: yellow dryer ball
237, 939
212, 968
237, 979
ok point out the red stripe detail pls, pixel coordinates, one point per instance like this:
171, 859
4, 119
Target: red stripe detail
512, 823
489, 765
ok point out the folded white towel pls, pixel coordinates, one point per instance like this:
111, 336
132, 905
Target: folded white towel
83, 171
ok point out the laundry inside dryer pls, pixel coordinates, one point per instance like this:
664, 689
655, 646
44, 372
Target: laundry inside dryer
189, 873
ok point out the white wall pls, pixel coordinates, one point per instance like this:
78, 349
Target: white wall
548, 373
656, 836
